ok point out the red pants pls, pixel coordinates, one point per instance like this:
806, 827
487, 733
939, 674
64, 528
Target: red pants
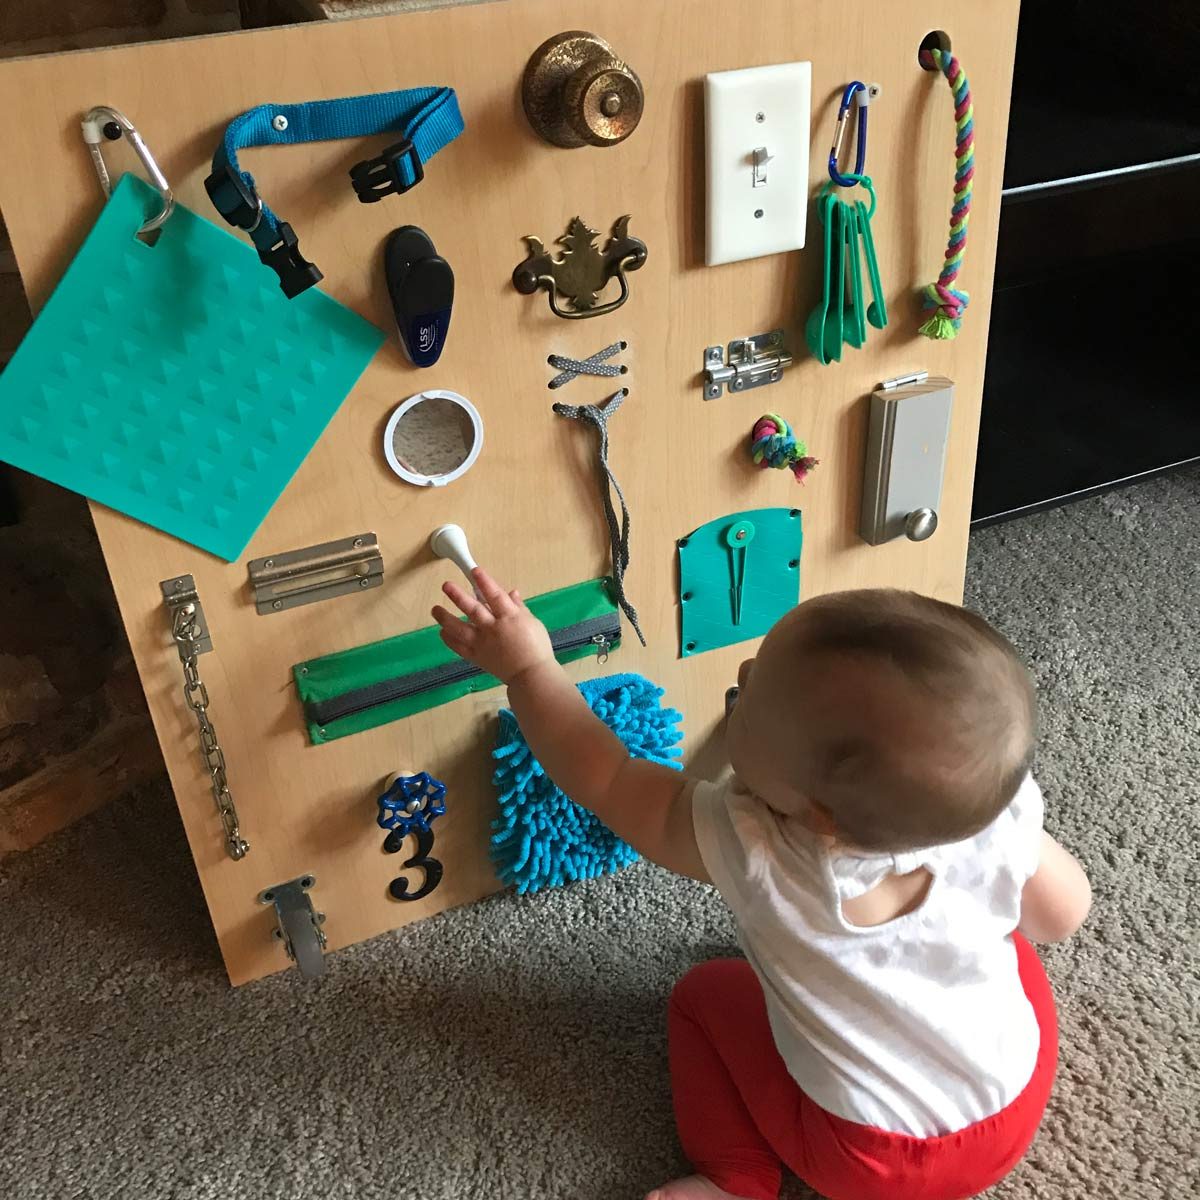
740, 1114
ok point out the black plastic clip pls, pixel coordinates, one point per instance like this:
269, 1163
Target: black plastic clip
234, 198
374, 178
296, 273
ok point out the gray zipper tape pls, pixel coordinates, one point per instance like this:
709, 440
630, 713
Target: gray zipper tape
325, 712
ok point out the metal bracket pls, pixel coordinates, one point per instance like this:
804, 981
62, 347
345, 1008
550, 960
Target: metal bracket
750, 362
299, 924
176, 593
315, 573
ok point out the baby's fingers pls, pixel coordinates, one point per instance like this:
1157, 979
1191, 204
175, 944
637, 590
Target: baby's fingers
458, 635
475, 610
497, 599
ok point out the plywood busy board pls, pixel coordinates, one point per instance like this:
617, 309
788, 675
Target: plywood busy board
530, 503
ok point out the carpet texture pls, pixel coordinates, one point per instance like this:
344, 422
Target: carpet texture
516, 1049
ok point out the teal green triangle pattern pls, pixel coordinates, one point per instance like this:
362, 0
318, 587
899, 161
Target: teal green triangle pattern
149, 360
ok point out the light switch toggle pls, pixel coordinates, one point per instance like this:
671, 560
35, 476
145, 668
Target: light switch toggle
760, 157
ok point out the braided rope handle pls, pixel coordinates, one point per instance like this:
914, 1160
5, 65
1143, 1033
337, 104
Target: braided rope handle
947, 301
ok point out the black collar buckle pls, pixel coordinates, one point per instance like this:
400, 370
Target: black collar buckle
233, 198
374, 178
296, 273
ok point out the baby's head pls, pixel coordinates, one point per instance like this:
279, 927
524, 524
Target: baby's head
884, 718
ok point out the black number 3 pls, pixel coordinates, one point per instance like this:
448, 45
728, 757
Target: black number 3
398, 888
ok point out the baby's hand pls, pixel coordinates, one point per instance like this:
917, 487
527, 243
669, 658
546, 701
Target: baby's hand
500, 635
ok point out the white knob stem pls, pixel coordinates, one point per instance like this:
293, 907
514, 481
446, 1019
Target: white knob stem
449, 541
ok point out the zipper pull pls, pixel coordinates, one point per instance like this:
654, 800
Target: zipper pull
602, 645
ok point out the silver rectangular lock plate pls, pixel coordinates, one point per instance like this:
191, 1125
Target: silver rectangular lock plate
178, 591
905, 461
748, 363
296, 577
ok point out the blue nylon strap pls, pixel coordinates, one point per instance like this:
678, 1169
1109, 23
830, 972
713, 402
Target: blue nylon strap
429, 117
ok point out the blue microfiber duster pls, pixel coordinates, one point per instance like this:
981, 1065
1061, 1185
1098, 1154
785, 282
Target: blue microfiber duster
541, 838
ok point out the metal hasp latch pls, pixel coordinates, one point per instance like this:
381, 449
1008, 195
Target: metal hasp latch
298, 577
298, 924
749, 363
176, 593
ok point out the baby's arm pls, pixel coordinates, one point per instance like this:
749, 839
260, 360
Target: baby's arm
647, 804
1057, 897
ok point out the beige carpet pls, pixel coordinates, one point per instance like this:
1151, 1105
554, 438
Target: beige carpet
516, 1049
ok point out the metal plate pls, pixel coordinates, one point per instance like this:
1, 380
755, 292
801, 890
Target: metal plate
297, 577
181, 589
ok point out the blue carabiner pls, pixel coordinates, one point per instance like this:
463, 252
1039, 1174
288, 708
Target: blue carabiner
860, 155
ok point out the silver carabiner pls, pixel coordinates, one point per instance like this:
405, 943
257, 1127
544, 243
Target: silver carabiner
101, 123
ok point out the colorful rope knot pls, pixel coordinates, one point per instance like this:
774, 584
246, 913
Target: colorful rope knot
948, 302
772, 444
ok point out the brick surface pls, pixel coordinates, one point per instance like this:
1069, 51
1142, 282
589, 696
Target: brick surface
32, 20
212, 8
74, 729
14, 314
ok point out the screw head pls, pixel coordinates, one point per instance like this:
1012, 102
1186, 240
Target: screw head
279, 123
303, 670
364, 583
610, 104
760, 117
357, 542
758, 212
276, 604
270, 562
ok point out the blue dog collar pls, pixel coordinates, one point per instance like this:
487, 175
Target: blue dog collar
426, 118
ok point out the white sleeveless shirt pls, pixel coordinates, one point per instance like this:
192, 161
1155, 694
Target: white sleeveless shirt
918, 1026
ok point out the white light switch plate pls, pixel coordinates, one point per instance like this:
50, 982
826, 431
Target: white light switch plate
757, 109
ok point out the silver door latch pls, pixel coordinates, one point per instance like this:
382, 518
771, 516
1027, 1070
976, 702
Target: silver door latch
295, 577
748, 363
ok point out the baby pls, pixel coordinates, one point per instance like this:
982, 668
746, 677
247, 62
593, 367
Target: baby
891, 1034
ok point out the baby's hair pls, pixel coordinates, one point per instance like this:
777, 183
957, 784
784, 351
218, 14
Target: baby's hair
980, 701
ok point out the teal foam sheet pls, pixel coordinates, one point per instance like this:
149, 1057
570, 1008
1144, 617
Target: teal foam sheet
176, 383
733, 588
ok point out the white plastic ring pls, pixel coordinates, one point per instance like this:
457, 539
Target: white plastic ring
406, 472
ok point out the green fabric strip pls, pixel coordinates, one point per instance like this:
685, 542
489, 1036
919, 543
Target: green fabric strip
335, 674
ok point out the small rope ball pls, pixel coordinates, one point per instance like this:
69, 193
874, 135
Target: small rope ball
773, 444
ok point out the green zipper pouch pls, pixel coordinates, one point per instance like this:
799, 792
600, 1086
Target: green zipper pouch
371, 685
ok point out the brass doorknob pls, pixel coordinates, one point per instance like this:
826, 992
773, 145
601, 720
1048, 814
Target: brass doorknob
577, 92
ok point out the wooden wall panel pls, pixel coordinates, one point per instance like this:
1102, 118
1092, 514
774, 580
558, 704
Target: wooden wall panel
530, 504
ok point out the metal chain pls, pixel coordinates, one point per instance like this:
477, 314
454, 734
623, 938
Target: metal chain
185, 632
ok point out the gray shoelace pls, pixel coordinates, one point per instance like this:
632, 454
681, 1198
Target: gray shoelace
618, 535
572, 368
